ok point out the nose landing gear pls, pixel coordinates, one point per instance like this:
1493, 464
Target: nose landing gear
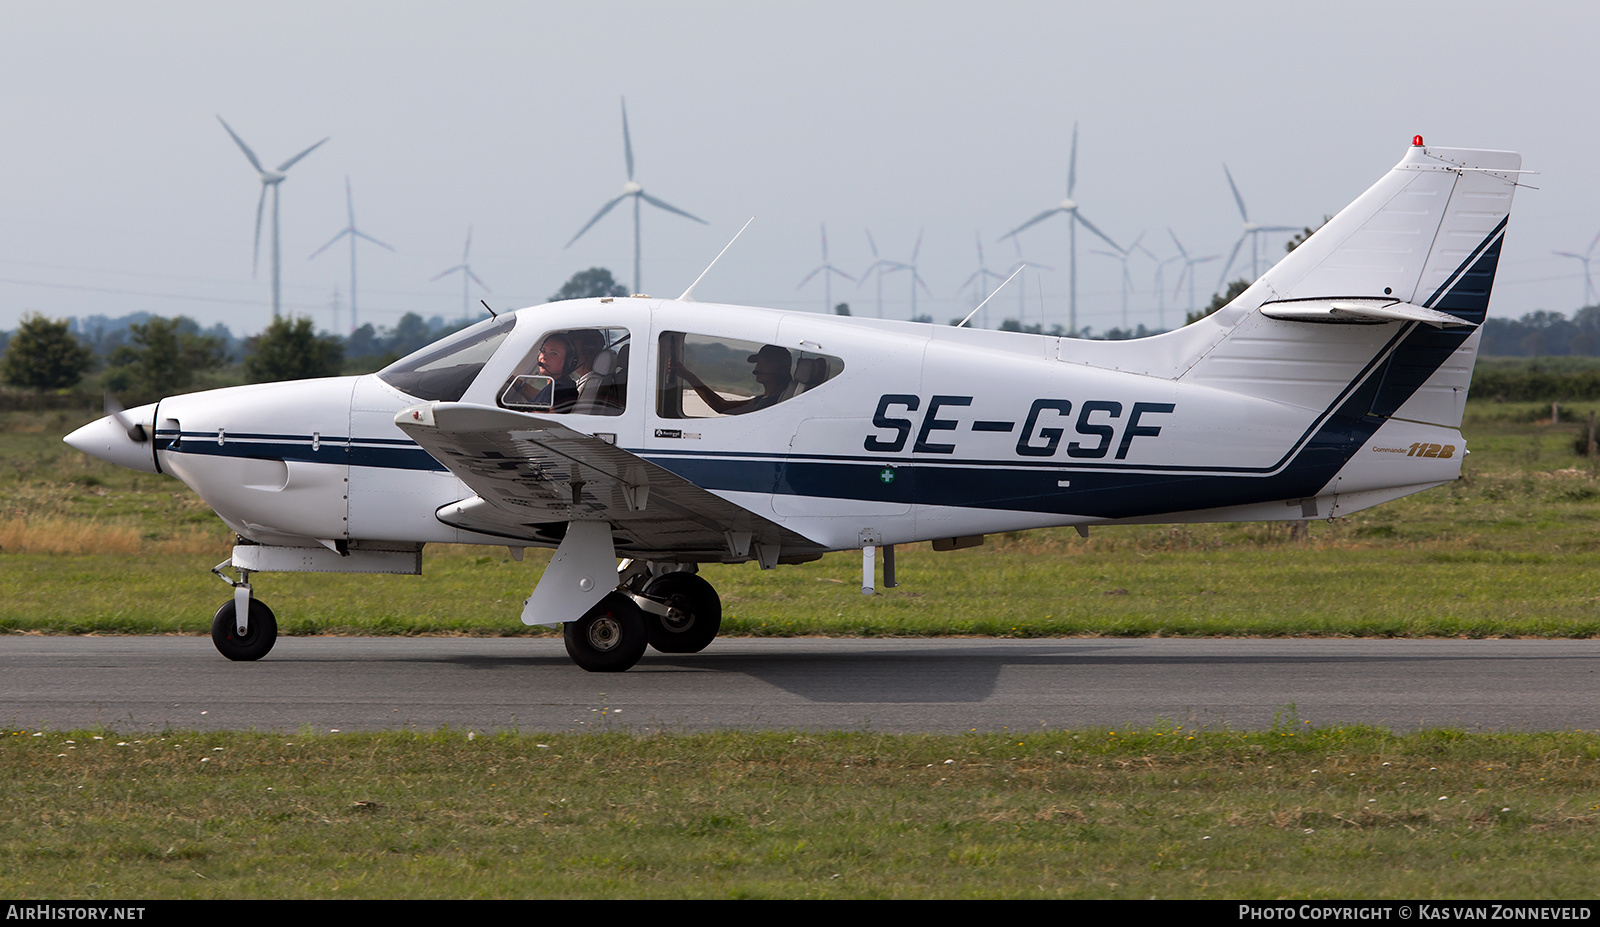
248, 639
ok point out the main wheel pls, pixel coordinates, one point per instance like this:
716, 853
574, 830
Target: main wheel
609, 638
694, 618
255, 643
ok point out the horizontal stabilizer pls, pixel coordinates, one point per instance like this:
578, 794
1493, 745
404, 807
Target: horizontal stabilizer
1360, 312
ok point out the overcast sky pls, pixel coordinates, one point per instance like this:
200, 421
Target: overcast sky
953, 120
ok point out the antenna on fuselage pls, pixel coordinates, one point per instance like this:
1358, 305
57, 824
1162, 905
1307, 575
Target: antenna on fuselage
990, 296
491, 311
688, 295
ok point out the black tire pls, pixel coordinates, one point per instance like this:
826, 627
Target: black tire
609, 638
255, 643
695, 618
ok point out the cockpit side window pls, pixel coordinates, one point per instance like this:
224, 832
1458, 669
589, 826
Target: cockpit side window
578, 370
702, 376
442, 371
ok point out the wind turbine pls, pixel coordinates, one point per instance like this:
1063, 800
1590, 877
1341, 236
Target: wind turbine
980, 277
916, 278
1070, 207
1188, 269
354, 233
1252, 232
637, 192
878, 268
1022, 289
1159, 283
268, 179
1122, 255
1588, 282
827, 271
467, 276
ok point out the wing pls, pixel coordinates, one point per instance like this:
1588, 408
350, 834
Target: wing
532, 476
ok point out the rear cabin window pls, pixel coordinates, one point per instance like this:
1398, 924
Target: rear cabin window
442, 371
578, 370
702, 376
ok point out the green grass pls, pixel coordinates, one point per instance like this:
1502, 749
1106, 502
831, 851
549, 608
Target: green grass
1293, 812
1508, 550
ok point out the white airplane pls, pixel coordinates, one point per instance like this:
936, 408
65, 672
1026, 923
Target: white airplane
1337, 381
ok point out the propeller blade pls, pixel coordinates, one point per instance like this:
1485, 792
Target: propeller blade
254, 161
349, 201
669, 208
917, 249
810, 275
294, 160
872, 244
135, 431
627, 140
475, 279
597, 216
834, 270
1031, 222
1236, 197
445, 273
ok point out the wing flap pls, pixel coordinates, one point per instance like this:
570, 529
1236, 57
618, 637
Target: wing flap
532, 476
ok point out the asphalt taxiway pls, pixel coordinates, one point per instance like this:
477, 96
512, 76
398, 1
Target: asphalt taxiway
942, 685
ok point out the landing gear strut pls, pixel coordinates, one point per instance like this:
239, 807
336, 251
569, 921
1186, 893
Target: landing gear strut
247, 639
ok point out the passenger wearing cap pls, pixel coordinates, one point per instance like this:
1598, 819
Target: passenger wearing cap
773, 364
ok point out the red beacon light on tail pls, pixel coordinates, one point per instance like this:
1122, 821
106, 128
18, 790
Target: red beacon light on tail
1416, 141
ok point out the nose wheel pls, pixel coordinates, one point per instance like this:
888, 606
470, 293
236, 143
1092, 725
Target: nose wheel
261, 631
252, 638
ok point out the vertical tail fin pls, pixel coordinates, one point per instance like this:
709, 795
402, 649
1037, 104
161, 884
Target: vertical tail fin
1428, 235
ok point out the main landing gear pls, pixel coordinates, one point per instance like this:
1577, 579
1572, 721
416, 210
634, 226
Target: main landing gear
673, 612
248, 639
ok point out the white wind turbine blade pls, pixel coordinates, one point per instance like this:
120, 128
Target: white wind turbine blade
1031, 222
254, 161
1078, 215
362, 234
292, 161
1223, 280
669, 208
342, 233
597, 217
255, 255
1178, 243
1236, 197
1072, 163
627, 140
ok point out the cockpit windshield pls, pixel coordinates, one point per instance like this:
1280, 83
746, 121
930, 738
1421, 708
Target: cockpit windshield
442, 371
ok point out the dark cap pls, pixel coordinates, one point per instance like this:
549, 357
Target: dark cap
772, 353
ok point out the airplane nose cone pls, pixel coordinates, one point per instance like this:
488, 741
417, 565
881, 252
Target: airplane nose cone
108, 440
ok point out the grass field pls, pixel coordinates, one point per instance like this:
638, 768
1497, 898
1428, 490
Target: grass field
1294, 812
